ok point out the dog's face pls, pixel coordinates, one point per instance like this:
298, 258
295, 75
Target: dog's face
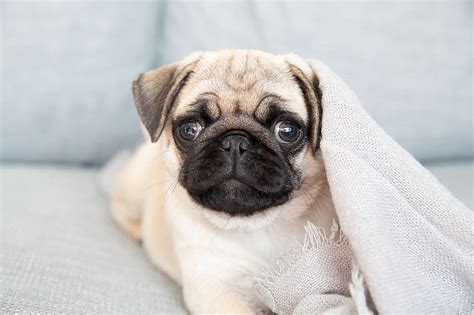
243, 126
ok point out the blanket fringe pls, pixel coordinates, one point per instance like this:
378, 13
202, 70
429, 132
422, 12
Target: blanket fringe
358, 291
315, 237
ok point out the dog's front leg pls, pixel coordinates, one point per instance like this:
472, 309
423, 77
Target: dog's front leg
208, 296
211, 288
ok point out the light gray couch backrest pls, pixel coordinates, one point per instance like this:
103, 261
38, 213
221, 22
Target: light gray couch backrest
67, 74
410, 62
68, 67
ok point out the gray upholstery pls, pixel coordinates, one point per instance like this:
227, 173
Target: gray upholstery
62, 253
458, 177
68, 66
408, 61
67, 73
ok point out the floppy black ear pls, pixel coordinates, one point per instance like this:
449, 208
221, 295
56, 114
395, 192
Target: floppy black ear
155, 93
309, 85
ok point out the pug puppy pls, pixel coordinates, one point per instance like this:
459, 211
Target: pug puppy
230, 175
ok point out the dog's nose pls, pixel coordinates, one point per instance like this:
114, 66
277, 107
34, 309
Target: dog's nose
235, 143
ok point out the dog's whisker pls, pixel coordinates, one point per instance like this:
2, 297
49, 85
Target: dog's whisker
159, 183
171, 188
307, 197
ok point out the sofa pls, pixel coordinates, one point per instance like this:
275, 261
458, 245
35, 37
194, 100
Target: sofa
67, 108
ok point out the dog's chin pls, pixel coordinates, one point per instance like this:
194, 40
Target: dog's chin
227, 222
237, 199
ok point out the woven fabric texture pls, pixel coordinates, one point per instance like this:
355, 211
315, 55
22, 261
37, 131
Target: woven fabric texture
412, 239
62, 253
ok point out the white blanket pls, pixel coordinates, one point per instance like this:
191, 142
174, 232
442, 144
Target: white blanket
408, 241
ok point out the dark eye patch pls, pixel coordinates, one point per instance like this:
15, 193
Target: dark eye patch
200, 111
275, 113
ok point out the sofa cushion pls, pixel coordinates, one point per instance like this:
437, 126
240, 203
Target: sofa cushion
408, 61
68, 65
458, 177
67, 70
62, 253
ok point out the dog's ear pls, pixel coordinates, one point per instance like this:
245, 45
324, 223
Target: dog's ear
309, 85
155, 93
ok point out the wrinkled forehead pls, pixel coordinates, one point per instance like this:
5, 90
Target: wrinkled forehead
244, 83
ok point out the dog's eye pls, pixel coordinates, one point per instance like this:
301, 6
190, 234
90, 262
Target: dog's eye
287, 132
189, 130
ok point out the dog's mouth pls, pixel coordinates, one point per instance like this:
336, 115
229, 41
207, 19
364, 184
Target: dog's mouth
236, 198
238, 175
